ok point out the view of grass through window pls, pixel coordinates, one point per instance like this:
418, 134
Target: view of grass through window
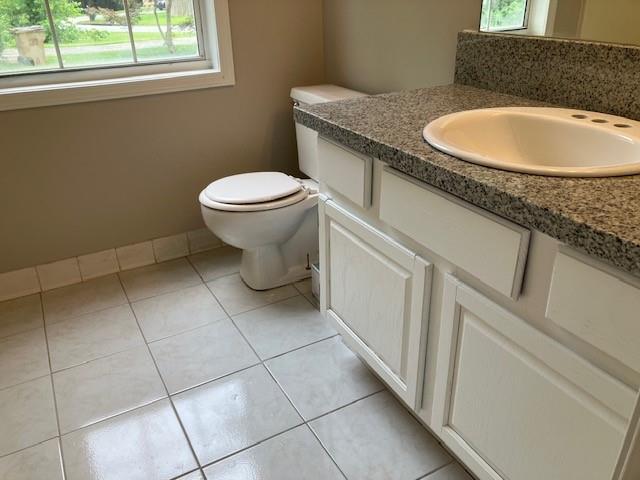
502, 15
40, 35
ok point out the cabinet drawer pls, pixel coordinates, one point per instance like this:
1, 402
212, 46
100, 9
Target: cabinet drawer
598, 305
517, 405
347, 172
376, 292
488, 247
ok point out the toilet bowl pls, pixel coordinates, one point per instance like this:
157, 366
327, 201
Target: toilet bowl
271, 216
278, 236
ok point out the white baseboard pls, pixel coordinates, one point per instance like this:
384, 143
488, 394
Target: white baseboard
40, 278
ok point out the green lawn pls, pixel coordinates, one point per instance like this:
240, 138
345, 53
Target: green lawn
148, 53
98, 58
121, 37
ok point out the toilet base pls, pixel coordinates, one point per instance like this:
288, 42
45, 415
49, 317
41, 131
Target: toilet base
262, 269
273, 266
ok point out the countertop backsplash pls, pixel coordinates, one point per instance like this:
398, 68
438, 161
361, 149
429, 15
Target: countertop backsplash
601, 77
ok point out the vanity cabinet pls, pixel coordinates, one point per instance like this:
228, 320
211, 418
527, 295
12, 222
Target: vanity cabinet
514, 404
424, 286
376, 292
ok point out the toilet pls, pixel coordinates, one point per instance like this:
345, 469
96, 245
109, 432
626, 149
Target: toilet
272, 216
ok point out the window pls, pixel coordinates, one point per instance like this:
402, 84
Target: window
503, 15
63, 51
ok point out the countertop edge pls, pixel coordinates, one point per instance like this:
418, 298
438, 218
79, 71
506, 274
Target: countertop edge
597, 243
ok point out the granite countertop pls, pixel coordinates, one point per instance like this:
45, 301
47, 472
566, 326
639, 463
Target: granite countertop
599, 216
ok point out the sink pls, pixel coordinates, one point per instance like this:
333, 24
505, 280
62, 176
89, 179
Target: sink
543, 141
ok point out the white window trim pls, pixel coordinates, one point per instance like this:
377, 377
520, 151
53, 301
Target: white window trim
108, 83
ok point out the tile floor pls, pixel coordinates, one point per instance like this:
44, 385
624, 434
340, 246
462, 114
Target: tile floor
178, 370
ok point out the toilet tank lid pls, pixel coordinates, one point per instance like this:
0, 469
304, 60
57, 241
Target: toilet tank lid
323, 93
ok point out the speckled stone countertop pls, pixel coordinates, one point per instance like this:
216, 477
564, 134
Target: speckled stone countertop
599, 216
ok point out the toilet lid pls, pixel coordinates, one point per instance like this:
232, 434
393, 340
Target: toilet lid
252, 188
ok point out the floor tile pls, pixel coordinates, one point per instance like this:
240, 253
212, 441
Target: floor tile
283, 326
201, 355
376, 438
86, 297
23, 357
217, 262
323, 377
303, 286
27, 415
313, 300
452, 471
40, 462
176, 312
143, 444
158, 279
293, 455
20, 315
106, 387
236, 297
85, 338
233, 413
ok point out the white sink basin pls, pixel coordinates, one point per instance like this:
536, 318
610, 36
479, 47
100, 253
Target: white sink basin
543, 141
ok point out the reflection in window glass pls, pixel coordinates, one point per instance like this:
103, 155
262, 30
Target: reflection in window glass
165, 29
503, 15
61, 34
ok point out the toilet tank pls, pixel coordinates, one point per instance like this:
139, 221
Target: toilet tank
308, 139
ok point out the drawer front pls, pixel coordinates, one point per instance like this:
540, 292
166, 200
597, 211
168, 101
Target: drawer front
488, 247
376, 294
515, 404
347, 172
597, 305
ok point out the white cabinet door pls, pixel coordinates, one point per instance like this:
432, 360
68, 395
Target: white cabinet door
376, 293
516, 405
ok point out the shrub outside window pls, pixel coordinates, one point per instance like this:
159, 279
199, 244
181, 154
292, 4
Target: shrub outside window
504, 15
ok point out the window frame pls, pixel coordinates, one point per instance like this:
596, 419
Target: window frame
525, 21
58, 87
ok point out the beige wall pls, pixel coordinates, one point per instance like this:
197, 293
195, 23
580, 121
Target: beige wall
80, 178
386, 45
612, 21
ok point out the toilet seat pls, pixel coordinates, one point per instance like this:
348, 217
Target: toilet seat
253, 192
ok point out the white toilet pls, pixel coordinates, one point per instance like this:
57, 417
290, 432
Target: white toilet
271, 216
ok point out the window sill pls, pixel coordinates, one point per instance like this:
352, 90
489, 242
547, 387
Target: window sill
106, 89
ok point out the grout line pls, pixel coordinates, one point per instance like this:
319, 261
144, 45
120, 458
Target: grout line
236, 452
199, 470
169, 396
383, 389
300, 348
53, 392
305, 422
173, 407
324, 448
263, 363
427, 475
211, 380
4, 455
39, 377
